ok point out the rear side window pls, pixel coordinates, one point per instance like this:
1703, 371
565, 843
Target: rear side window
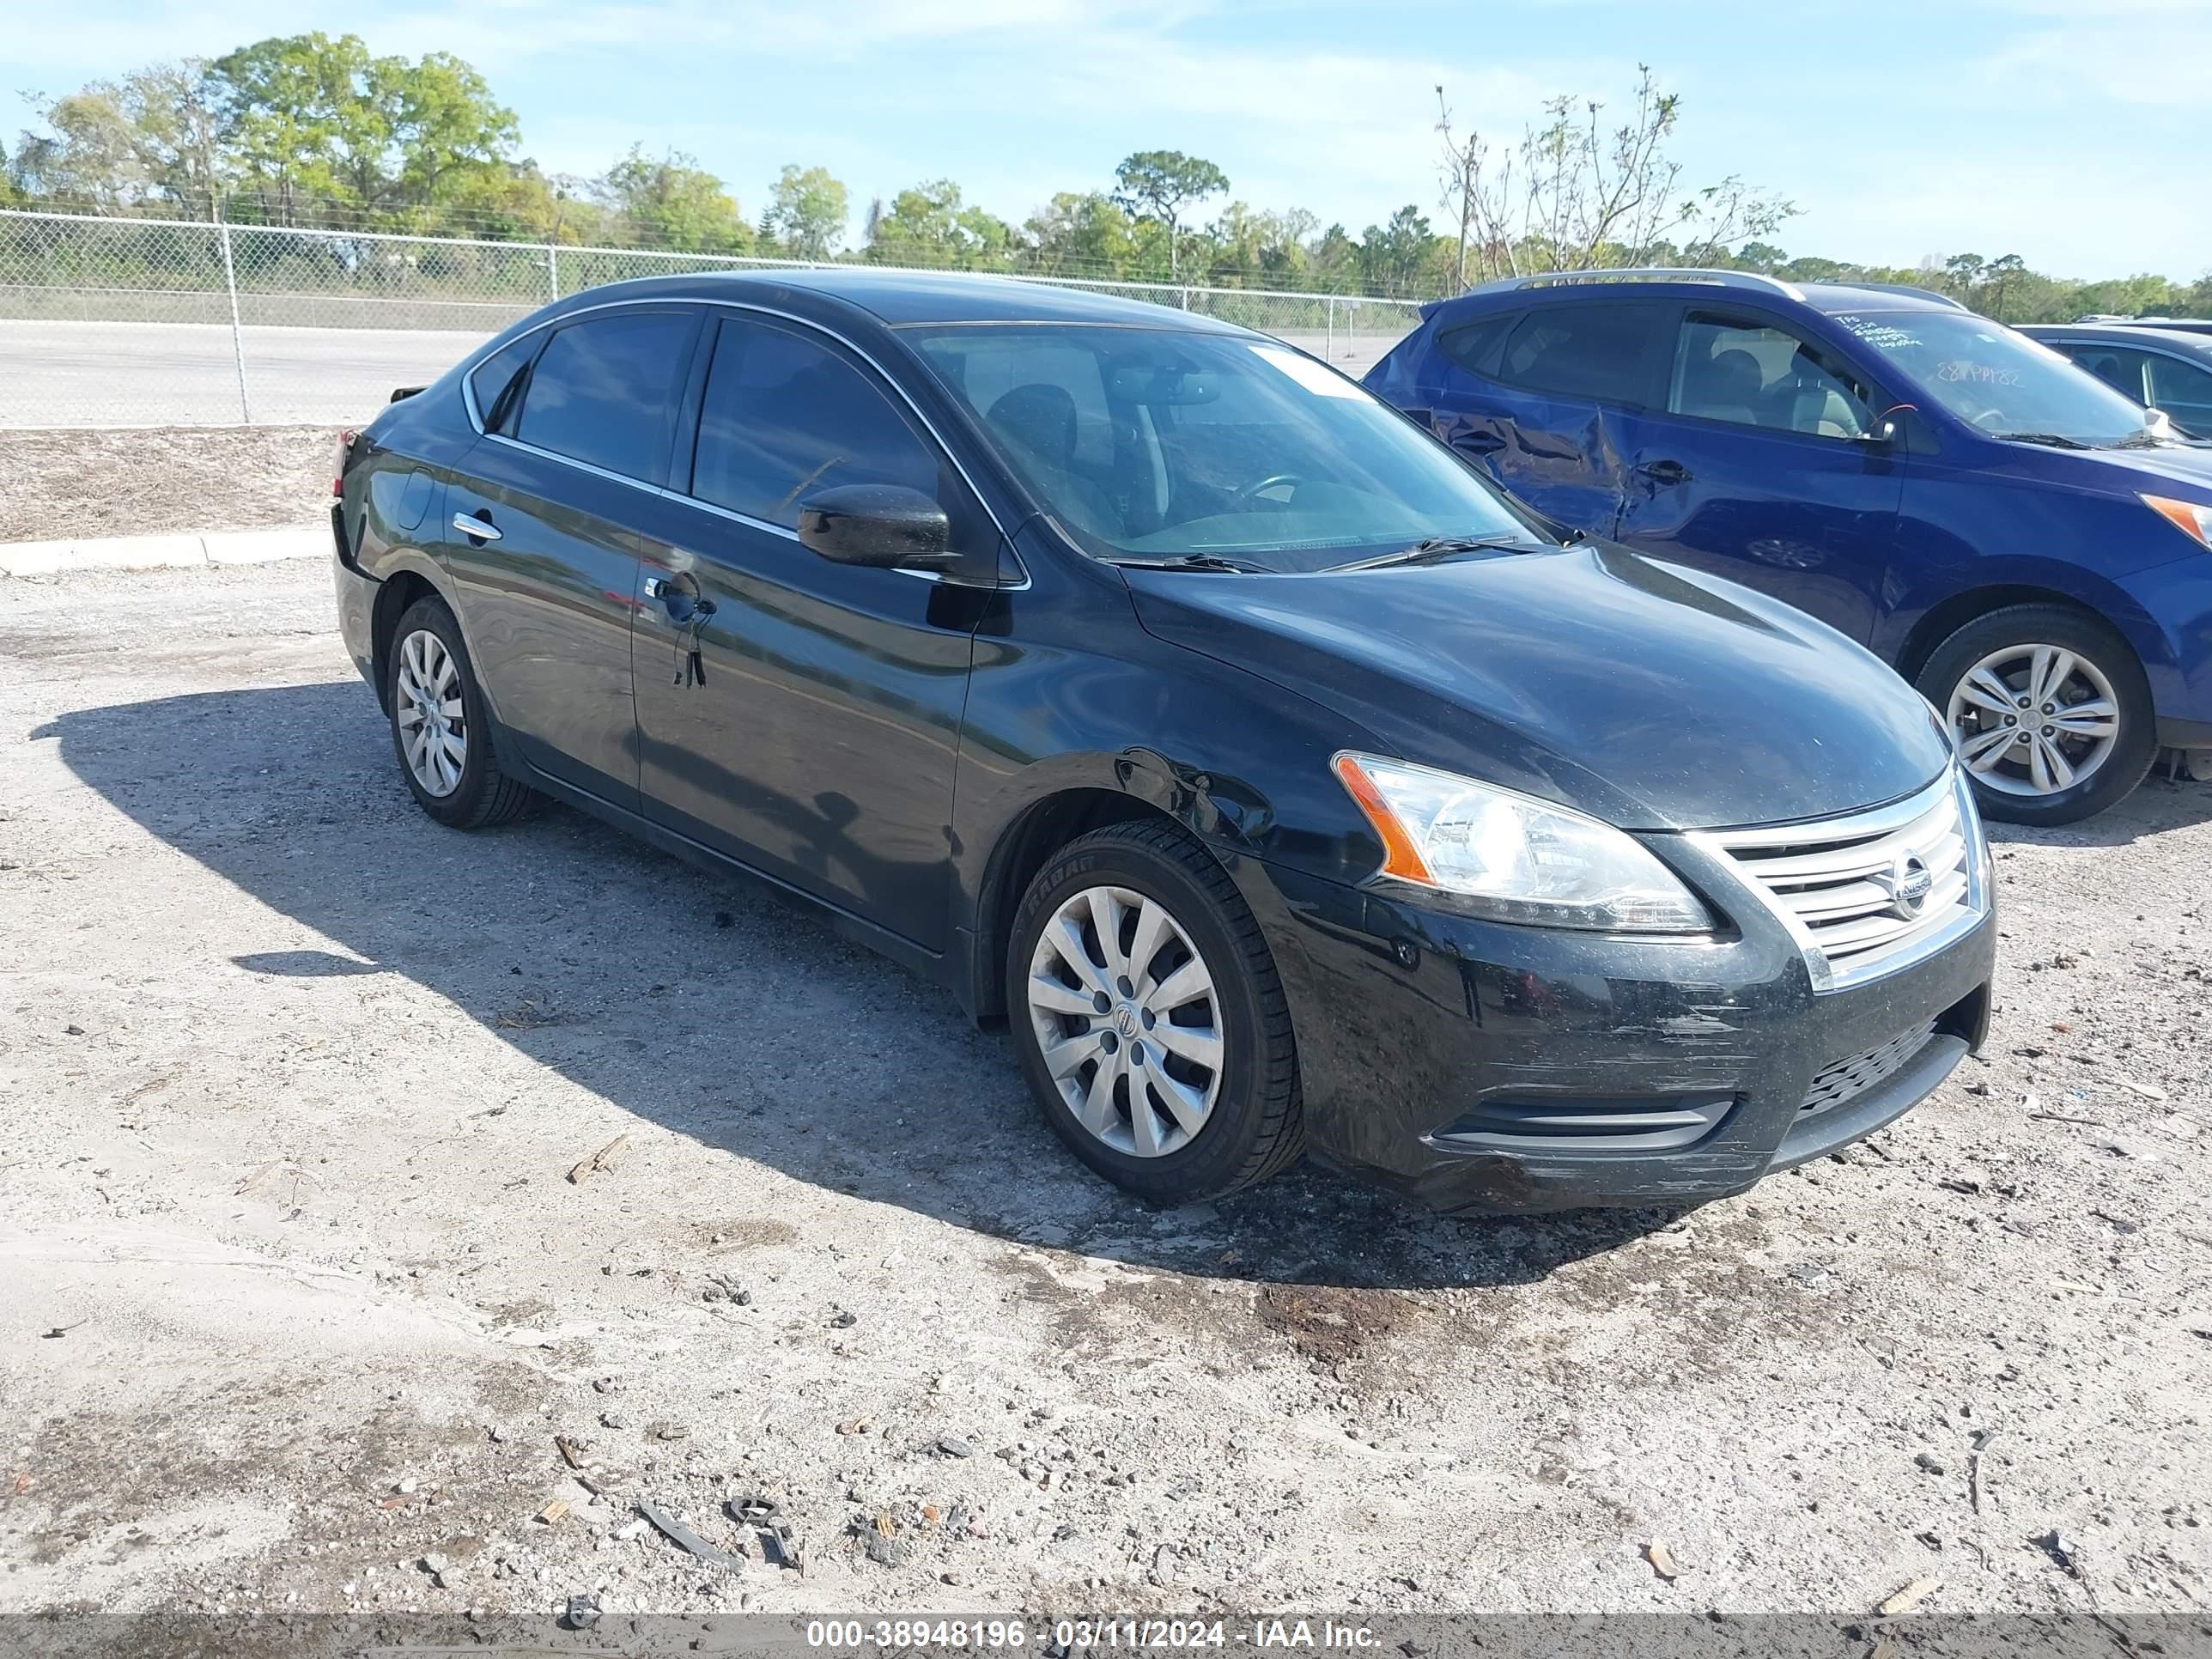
1604, 351
496, 383
1473, 346
604, 391
784, 416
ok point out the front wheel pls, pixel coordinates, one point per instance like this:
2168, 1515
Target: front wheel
1149, 1019
2051, 710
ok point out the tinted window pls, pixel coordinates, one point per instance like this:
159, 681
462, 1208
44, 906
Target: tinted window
1473, 346
2173, 381
2116, 366
1599, 351
496, 382
784, 417
604, 391
1753, 374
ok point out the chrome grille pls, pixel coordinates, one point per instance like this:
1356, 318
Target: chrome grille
1869, 893
1847, 1080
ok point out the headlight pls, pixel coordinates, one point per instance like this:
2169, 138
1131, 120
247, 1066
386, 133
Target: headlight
1511, 857
2190, 518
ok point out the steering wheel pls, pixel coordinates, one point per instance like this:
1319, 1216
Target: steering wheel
1991, 420
1272, 481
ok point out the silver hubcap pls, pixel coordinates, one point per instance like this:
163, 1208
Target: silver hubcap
1124, 1009
434, 732
2033, 720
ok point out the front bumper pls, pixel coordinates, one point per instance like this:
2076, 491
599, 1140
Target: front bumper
1469, 1065
2174, 639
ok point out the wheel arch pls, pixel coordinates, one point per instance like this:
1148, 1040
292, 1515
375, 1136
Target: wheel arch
395, 596
1026, 844
1945, 618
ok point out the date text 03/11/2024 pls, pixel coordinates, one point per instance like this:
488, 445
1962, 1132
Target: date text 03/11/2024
1065, 1636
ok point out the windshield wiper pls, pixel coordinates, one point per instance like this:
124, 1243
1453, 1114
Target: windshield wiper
2055, 440
1195, 561
1437, 547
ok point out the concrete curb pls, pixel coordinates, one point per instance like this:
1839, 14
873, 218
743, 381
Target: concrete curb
62, 558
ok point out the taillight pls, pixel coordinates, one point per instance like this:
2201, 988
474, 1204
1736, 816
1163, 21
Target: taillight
345, 448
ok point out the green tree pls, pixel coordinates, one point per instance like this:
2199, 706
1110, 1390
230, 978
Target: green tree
806, 213
2002, 281
452, 138
1391, 256
1158, 184
1960, 272
673, 203
310, 122
1081, 235
928, 225
149, 136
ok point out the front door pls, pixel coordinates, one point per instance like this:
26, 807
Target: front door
1756, 466
544, 564
802, 716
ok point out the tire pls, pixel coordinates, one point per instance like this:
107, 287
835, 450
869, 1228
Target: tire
1253, 1124
474, 793
2003, 644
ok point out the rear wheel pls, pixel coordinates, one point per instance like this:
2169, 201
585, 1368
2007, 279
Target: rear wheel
440, 729
1149, 1019
2050, 709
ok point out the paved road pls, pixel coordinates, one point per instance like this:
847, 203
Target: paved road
78, 373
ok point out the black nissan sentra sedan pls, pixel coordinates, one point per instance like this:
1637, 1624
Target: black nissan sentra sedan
1282, 786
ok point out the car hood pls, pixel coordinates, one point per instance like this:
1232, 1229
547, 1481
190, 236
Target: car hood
2133, 470
1651, 696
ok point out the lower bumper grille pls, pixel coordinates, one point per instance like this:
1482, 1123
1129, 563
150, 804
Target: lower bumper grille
1846, 1079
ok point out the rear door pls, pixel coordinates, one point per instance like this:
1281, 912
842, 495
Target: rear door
800, 715
1543, 392
577, 438
1754, 465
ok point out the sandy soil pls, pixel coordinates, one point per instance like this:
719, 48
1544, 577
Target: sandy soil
60, 485
297, 1290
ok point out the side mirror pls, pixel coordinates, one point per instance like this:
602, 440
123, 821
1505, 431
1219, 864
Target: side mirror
2158, 423
1887, 427
884, 526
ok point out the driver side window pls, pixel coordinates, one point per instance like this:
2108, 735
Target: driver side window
1753, 374
783, 416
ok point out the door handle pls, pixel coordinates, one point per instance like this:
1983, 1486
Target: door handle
682, 606
477, 529
1665, 472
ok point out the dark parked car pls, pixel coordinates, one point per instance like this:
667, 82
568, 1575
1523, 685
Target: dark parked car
1997, 524
2164, 368
1280, 784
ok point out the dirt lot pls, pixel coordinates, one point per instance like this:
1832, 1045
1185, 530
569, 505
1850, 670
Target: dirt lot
60, 485
296, 1289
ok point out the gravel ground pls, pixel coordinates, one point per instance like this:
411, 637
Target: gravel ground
301, 1283
59, 484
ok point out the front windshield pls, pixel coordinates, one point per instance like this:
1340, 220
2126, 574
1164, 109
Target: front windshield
1165, 444
2004, 383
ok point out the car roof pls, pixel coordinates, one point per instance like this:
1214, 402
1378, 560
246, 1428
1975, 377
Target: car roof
903, 298
2123, 334
1831, 298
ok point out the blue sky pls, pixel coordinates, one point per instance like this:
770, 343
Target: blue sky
2076, 132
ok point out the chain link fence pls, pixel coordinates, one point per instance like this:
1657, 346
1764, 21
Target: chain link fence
160, 322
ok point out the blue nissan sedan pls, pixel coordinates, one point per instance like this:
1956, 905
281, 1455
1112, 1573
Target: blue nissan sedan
2014, 536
